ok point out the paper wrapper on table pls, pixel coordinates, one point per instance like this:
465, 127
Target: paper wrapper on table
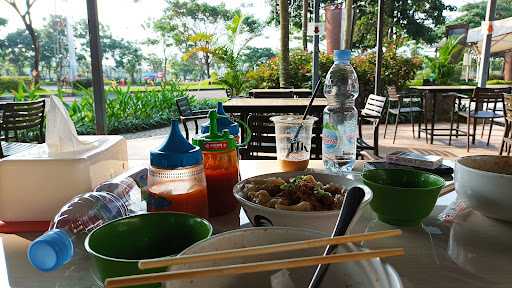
35, 184
414, 159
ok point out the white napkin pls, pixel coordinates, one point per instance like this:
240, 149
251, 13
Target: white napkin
61, 133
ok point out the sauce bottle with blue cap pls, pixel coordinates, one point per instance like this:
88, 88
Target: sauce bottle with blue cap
176, 180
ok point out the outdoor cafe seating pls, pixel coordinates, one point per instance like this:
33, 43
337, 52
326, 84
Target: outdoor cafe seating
21, 120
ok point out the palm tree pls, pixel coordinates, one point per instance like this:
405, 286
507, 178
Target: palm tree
305, 8
284, 63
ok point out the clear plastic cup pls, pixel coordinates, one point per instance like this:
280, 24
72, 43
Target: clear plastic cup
293, 156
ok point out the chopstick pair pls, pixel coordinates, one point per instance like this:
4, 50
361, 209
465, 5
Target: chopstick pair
258, 266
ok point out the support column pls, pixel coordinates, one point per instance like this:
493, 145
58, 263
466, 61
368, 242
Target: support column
96, 67
316, 49
486, 45
378, 64
507, 66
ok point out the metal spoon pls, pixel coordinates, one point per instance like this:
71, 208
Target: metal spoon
353, 199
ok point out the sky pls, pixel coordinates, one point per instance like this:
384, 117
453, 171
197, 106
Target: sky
126, 17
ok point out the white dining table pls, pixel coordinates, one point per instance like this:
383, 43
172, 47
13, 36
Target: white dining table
471, 251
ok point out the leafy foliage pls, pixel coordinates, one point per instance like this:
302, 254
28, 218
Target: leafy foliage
401, 20
474, 13
443, 67
397, 69
267, 74
129, 111
8, 84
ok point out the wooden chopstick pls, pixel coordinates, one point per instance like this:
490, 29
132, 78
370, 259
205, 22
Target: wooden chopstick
259, 250
447, 189
250, 267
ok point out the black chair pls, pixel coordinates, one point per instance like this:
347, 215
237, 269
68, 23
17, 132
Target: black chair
187, 114
402, 107
474, 110
22, 125
506, 142
372, 113
263, 139
274, 93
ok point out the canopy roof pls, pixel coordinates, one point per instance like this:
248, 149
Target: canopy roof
501, 36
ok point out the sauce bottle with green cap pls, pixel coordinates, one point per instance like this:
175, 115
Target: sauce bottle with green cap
223, 123
176, 179
220, 166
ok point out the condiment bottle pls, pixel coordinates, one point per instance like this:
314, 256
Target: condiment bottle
220, 167
176, 180
223, 123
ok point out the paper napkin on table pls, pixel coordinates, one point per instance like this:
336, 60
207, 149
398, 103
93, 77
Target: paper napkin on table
61, 133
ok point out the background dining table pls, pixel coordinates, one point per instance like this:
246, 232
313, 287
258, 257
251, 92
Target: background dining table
470, 251
434, 92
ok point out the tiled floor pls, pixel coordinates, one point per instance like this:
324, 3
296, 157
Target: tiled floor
139, 148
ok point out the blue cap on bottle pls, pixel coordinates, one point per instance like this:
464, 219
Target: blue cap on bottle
223, 123
342, 55
50, 251
176, 151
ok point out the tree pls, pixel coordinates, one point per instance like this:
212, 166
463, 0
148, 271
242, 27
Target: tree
415, 20
192, 24
127, 56
155, 62
53, 46
18, 50
202, 47
253, 56
26, 18
239, 33
162, 41
3, 22
284, 64
305, 9
474, 13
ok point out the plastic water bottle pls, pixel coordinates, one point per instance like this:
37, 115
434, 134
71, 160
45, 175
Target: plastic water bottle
339, 134
71, 225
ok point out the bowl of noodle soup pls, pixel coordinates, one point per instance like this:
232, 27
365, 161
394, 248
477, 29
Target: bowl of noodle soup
304, 199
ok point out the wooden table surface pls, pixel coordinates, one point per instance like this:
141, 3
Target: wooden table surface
273, 105
280, 90
472, 252
454, 87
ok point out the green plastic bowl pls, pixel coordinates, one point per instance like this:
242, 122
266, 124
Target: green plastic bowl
402, 197
117, 246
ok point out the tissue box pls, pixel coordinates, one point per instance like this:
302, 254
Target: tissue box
34, 185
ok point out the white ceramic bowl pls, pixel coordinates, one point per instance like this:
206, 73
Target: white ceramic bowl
367, 274
485, 182
317, 220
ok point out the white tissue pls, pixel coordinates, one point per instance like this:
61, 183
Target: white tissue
61, 134
281, 279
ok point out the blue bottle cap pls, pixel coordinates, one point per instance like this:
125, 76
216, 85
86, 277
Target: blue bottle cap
223, 123
176, 151
50, 251
342, 55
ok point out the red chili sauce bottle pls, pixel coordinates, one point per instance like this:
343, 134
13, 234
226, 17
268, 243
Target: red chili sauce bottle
176, 180
220, 167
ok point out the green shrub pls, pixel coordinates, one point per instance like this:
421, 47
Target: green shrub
8, 84
266, 75
397, 70
82, 83
499, 82
137, 110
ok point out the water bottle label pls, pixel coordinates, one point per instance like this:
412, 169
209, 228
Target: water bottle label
329, 140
